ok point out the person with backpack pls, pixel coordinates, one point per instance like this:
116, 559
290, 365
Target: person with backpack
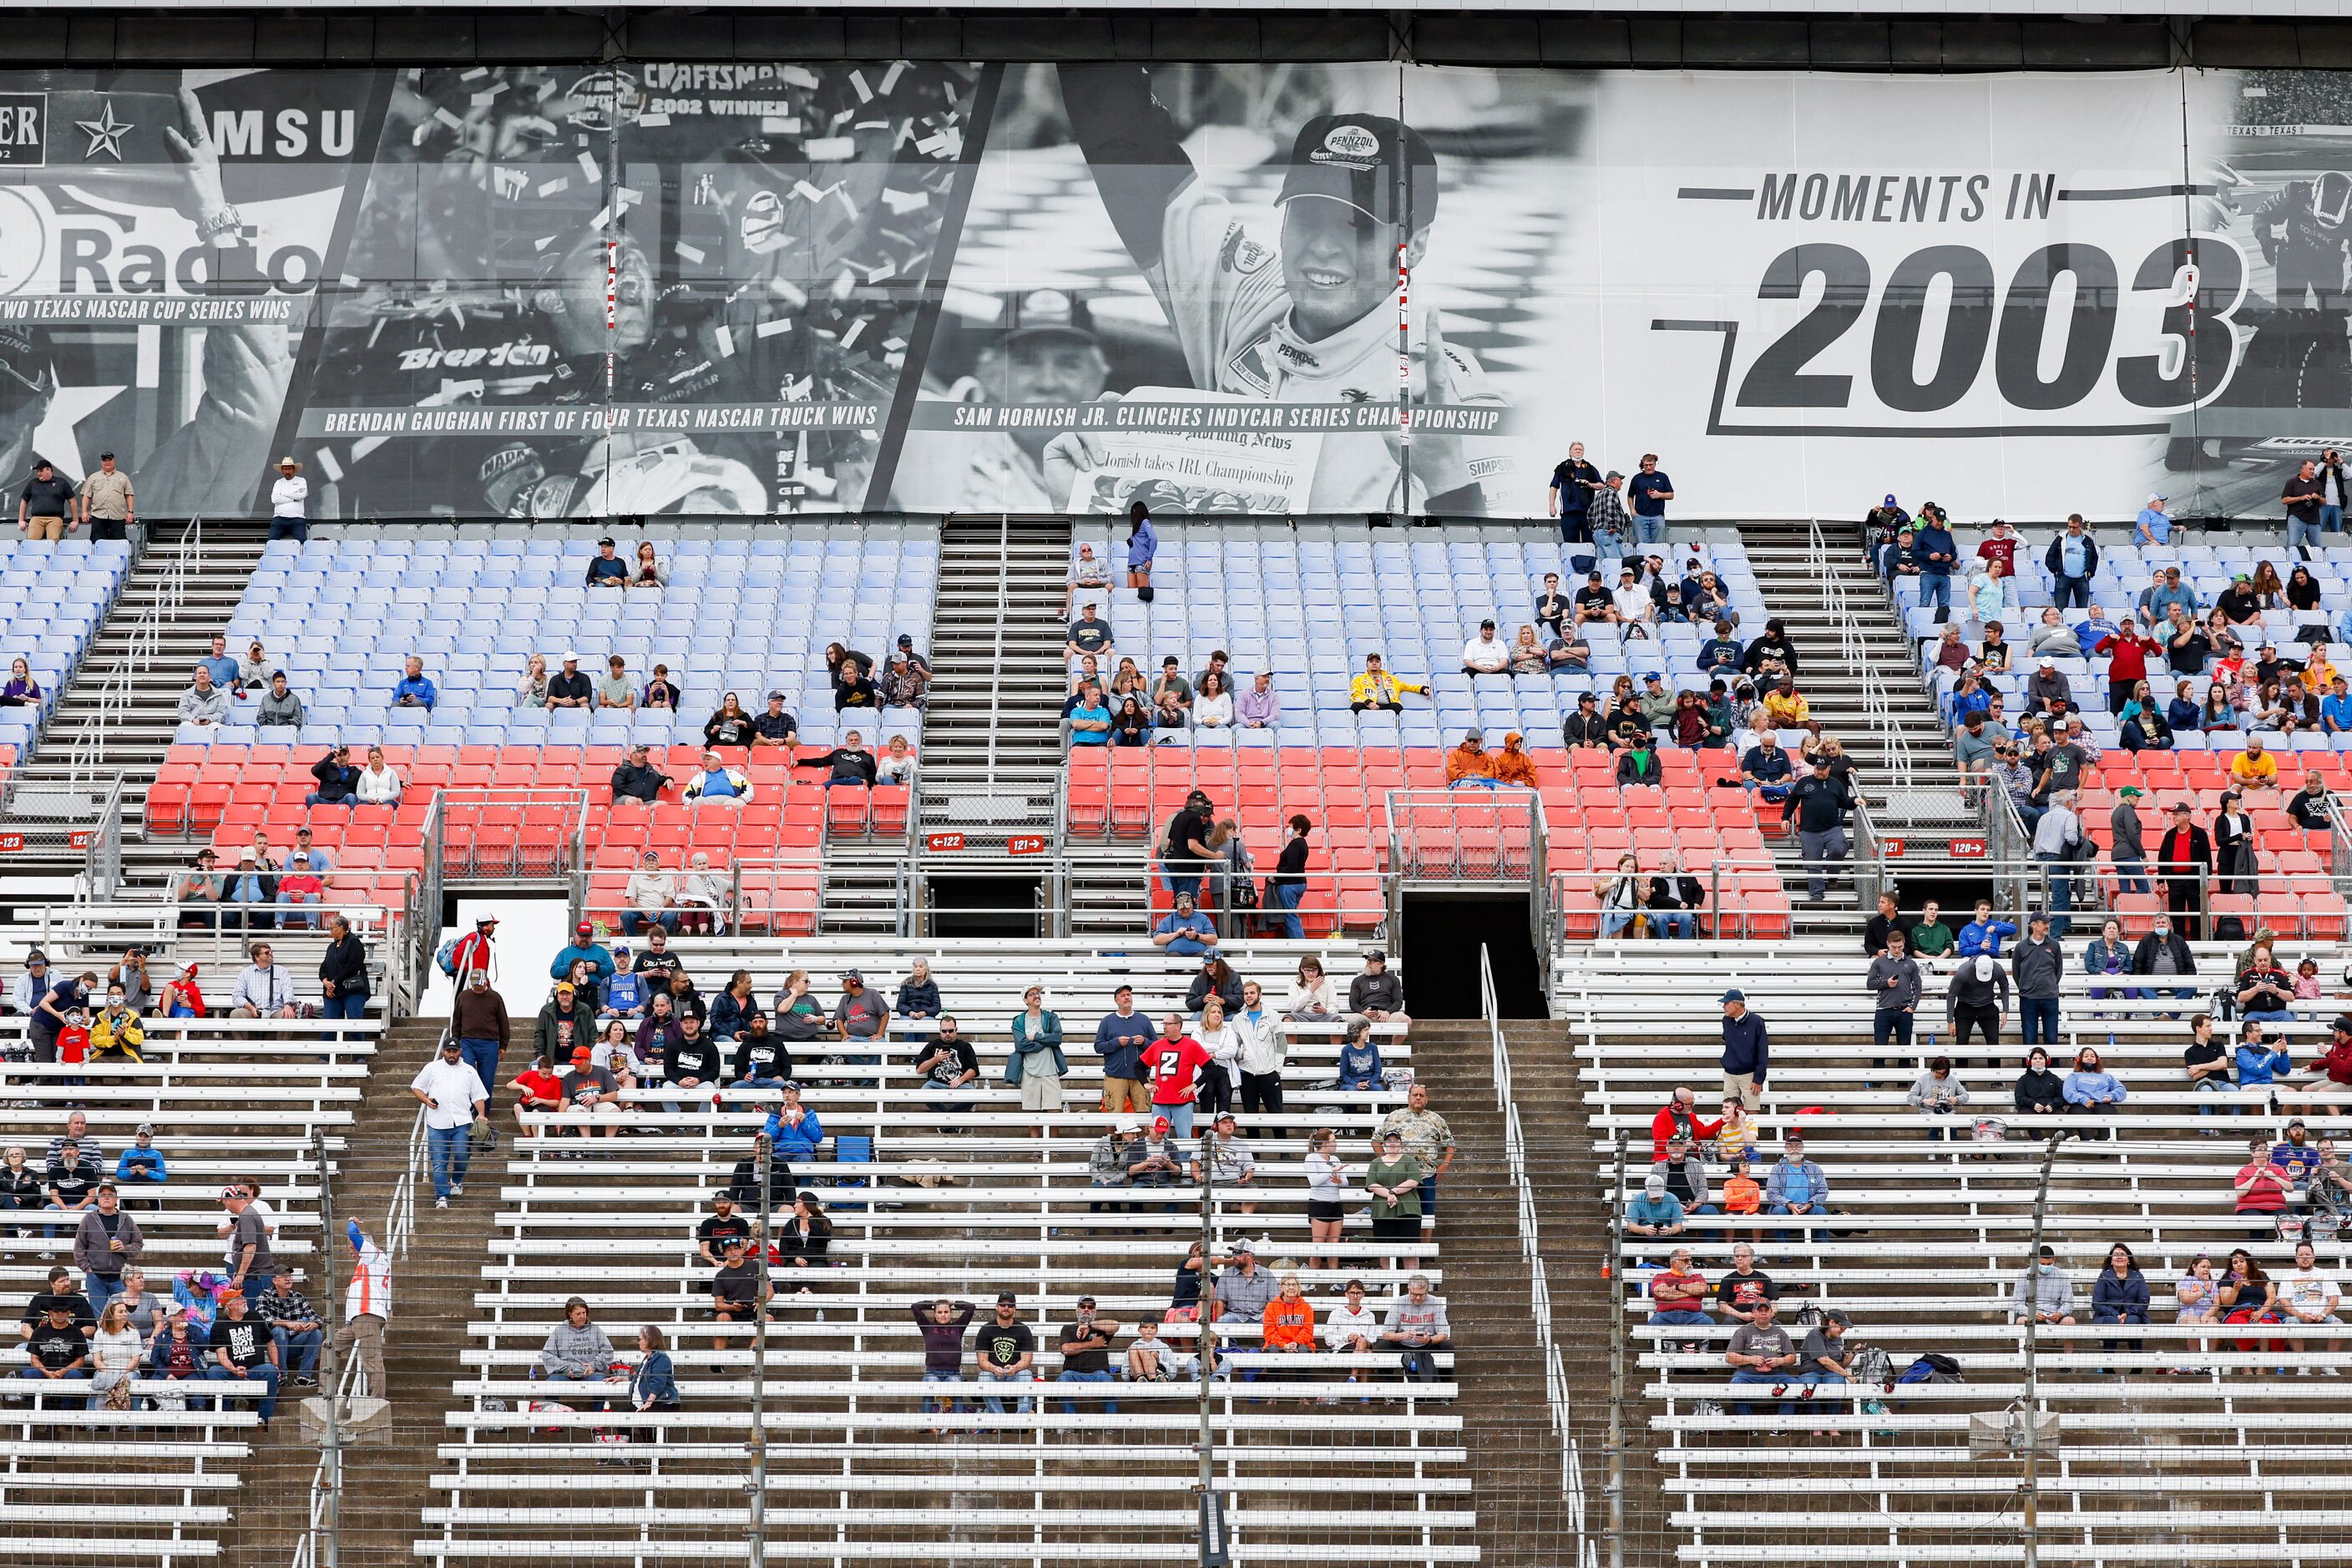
464, 954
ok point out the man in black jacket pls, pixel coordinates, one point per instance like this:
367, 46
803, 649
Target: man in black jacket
2073, 559
2184, 858
848, 763
2163, 953
1586, 727
1818, 804
339, 781
638, 778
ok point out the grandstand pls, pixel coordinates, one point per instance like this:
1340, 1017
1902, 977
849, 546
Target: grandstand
867, 330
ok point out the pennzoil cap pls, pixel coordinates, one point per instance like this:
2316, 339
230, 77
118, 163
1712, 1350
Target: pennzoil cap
1355, 158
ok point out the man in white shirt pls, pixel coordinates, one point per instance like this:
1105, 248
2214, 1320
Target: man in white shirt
453, 1097
290, 502
2307, 1296
1485, 654
1633, 602
264, 990
1352, 1330
379, 785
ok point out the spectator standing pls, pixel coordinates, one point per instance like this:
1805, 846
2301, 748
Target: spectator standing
290, 502
1120, 1039
1747, 1050
1430, 1143
2302, 496
1393, 1180
367, 1305
1650, 490
1977, 997
453, 1096
2038, 966
45, 508
1818, 804
2128, 853
1573, 482
482, 1026
2072, 560
343, 972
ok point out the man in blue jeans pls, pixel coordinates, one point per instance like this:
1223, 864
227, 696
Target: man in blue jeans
1086, 1354
1933, 547
477, 1021
242, 1351
295, 1327
1761, 1351
453, 1096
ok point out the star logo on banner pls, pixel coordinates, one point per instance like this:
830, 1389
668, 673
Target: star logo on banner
106, 132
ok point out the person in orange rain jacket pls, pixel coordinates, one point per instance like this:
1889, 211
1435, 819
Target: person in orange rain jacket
1513, 765
1288, 1324
1470, 760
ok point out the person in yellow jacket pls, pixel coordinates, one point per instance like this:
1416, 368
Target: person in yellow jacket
1376, 688
116, 1032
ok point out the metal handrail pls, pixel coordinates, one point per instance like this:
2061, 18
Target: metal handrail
1515, 1154
84, 754
399, 1223
1878, 698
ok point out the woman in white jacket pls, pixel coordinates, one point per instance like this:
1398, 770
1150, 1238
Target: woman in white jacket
115, 1354
1224, 1044
1310, 996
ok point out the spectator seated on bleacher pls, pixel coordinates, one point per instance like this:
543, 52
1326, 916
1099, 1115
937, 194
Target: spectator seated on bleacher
1376, 994
652, 895
416, 690
139, 1168
729, 726
577, 1349
21, 689
280, 706
638, 778
848, 764
717, 782
204, 702
591, 1095
265, 989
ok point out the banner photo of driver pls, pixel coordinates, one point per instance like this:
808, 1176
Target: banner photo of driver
162, 239
752, 243
1180, 284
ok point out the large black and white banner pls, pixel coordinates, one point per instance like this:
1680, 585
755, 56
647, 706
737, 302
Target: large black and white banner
772, 288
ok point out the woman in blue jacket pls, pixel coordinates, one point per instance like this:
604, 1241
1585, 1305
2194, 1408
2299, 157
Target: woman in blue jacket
2092, 1090
1360, 1059
653, 1386
1142, 544
2120, 1296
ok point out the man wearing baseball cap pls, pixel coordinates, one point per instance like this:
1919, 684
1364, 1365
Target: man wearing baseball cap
582, 947
1044, 353
106, 504
453, 1095
45, 508
1308, 316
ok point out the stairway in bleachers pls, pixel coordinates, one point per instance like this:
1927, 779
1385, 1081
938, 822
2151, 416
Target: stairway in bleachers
1514, 1454
132, 745
993, 753
1830, 682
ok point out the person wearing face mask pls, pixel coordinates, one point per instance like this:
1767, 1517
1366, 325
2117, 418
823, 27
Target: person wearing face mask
116, 1034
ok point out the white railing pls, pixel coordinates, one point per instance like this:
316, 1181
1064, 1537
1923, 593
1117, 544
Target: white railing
1879, 715
85, 759
1515, 1153
399, 1221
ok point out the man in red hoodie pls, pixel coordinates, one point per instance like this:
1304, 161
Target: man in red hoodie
2127, 649
2332, 1074
1680, 1118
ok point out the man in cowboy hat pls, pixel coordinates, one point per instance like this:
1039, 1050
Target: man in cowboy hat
289, 499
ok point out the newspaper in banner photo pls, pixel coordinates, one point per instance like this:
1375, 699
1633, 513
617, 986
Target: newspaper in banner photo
760, 232
163, 235
1185, 464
